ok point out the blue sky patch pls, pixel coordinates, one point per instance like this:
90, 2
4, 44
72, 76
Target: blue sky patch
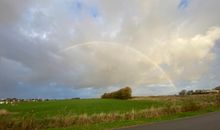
183, 4
94, 12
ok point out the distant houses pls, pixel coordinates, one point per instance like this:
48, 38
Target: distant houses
196, 92
206, 92
16, 100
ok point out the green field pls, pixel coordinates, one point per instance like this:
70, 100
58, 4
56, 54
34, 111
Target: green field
75, 106
101, 114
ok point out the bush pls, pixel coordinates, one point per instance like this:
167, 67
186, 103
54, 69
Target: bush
217, 88
124, 93
183, 92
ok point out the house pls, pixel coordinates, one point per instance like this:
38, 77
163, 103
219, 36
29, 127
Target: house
206, 92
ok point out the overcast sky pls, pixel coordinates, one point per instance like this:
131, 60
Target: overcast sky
83, 48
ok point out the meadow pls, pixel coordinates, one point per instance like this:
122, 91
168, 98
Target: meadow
102, 113
76, 106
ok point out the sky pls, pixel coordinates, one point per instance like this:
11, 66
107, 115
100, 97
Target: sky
83, 48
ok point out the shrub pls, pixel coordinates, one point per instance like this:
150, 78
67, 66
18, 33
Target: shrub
183, 92
124, 93
190, 92
217, 88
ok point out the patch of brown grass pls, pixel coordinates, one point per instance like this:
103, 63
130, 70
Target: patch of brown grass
4, 112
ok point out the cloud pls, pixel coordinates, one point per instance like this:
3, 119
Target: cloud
187, 58
11, 11
183, 43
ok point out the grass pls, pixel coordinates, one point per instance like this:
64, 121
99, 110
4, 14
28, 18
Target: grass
140, 121
88, 106
101, 114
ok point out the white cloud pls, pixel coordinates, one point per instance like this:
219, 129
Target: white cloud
187, 58
181, 41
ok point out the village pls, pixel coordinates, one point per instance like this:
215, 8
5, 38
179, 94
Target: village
13, 101
196, 92
16, 100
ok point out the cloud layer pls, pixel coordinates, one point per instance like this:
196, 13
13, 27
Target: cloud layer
149, 43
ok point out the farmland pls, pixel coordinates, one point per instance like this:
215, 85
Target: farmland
103, 113
88, 106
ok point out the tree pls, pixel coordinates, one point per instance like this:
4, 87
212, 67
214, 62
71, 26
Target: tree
183, 93
124, 93
190, 92
217, 88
